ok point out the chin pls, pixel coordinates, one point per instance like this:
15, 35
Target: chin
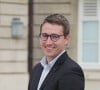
51, 55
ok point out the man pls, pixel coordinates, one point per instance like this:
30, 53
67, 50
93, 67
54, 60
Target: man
56, 70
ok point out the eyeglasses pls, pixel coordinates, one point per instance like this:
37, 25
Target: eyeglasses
53, 37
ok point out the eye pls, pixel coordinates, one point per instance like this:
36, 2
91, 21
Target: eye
55, 36
44, 35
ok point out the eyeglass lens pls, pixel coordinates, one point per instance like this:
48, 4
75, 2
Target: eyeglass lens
53, 37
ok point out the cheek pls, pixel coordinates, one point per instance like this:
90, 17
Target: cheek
61, 44
42, 44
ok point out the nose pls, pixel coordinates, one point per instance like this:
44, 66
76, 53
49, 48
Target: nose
49, 41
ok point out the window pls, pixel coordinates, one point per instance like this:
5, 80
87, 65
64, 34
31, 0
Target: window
89, 34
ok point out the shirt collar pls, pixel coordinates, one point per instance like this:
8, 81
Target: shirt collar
51, 63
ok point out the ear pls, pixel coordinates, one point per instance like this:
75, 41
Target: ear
67, 39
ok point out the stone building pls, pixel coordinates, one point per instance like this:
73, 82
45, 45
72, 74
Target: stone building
84, 48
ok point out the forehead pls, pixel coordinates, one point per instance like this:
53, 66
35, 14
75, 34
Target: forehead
52, 28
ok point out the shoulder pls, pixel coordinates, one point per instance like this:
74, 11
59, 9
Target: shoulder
68, 65
37, 68
72, 71
72, 66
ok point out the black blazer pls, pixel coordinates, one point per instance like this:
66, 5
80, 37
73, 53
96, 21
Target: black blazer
65, 75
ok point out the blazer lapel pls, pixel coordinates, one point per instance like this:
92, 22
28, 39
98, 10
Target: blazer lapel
56, 66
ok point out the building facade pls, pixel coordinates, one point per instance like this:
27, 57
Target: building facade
13, 51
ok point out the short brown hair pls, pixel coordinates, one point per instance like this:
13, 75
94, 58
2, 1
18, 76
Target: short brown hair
57, 19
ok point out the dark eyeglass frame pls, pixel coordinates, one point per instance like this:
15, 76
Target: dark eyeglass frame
53, 37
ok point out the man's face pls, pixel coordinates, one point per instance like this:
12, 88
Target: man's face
53, 48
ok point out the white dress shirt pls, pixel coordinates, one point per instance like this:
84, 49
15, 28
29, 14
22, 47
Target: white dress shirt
47, 68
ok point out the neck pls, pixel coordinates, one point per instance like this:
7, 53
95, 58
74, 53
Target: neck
49, 59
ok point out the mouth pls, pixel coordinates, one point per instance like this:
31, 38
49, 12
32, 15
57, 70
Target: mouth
49, 48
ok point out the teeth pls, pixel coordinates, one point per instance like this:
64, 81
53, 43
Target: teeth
49, 48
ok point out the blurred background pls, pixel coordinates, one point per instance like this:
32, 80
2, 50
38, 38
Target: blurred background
19, 43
